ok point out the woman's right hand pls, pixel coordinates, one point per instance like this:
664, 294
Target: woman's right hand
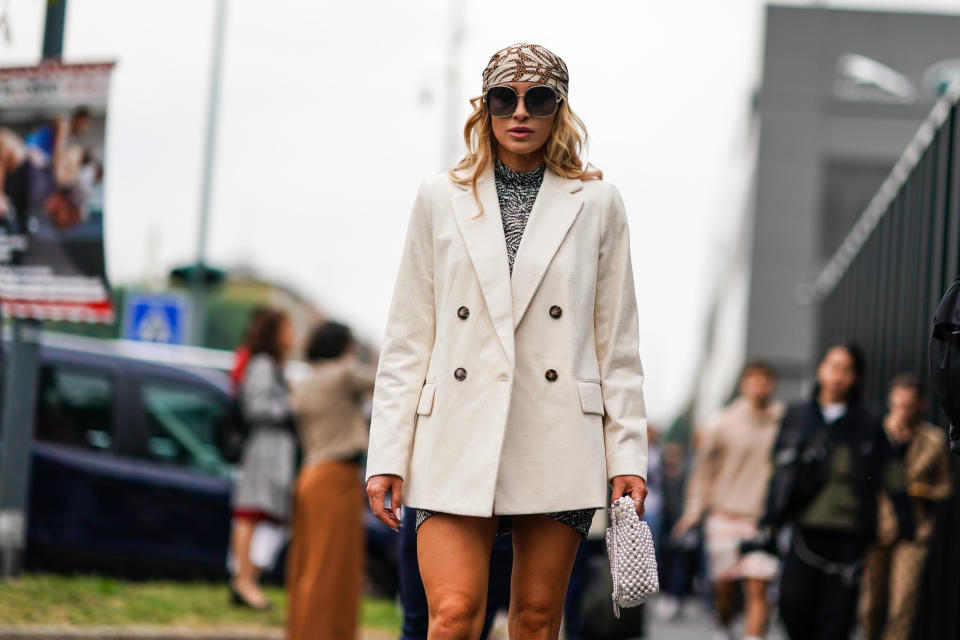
377, 489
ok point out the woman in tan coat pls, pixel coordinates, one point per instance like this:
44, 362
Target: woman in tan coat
509, 391
326, 563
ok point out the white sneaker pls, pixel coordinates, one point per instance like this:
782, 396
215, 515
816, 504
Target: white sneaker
665, 607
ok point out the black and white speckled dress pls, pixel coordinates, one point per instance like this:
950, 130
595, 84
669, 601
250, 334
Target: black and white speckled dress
517, 191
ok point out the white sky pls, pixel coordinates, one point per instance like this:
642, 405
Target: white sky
331, 114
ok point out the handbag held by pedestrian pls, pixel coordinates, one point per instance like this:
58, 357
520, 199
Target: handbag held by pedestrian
633, 562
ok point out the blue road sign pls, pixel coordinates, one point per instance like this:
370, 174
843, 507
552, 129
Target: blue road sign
152, 317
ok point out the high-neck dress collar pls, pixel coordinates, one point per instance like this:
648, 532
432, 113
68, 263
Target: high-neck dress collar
506, 175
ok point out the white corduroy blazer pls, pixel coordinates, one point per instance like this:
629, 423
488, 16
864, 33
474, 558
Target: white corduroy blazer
511, 395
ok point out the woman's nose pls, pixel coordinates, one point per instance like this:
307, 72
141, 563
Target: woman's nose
520, 113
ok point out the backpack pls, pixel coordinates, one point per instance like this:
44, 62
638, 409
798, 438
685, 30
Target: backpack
945, 359
232, 431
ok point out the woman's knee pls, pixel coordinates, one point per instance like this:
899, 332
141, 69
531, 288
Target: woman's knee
533, 617
455, 615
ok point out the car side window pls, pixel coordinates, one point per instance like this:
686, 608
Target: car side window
181, 427
75, 407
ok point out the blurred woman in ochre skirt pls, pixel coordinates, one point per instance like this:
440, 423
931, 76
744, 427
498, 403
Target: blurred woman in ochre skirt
326, 561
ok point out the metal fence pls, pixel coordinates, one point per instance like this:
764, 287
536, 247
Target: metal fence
880, 291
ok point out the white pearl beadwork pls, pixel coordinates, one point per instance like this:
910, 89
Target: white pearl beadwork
633, 563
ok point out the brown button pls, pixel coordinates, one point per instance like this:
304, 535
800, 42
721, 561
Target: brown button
463, 313
460, 373
555, 312
551, 374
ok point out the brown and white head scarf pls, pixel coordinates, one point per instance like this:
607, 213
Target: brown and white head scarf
527, 63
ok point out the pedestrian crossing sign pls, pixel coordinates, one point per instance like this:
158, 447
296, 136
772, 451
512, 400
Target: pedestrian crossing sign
155, 318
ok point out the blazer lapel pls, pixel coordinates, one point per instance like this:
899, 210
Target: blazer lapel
554, 210
483, 236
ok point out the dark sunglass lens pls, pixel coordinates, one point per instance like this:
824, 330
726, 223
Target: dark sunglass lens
501, 101
540, 101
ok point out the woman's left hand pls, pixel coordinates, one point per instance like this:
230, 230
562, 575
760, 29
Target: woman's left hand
633, 486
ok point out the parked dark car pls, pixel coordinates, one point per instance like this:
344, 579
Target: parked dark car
126, 477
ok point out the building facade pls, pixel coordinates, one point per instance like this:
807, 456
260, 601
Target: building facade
843, 93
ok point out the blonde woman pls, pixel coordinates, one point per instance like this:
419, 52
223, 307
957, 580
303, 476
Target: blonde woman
508, 393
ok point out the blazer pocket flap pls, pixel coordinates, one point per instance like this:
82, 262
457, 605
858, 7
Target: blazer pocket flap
591, 398
425, 406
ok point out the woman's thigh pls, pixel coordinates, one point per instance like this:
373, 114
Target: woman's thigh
543, 554
454, 557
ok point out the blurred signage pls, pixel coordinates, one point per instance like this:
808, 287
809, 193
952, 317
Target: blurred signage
155, 318
863, 79
52, 124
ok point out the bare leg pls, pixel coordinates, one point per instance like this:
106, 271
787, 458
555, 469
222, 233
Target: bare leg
248, 574
543, 555
723, 593
757, 607
454, 557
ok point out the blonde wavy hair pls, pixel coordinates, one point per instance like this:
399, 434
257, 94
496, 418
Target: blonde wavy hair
562, 151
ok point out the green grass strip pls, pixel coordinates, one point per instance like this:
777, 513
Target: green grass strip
81, 600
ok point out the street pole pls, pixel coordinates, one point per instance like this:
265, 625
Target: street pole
19, 396
198, 275
452, 148
22, 369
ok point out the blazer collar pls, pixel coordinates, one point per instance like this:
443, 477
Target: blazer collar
483, 237
556, 207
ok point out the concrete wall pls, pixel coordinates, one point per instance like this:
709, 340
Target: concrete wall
815, 119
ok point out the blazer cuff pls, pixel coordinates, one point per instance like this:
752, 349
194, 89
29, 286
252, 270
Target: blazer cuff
381, 469
637, 466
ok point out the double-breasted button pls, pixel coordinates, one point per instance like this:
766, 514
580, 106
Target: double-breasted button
460, 373
550, 375
463, 313
555, 312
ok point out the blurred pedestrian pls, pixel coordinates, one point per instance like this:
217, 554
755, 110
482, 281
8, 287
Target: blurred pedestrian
241, 356
678, 556
831, 459
892, 575
728, 485
505, 361
265, 475
326, 558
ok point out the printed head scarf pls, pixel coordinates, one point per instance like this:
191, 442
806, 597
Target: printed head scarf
527, 63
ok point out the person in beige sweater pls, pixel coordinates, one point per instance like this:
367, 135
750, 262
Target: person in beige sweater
326, 561
891, 577
728, 485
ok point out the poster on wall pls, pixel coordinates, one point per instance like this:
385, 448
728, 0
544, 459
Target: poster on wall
52, 125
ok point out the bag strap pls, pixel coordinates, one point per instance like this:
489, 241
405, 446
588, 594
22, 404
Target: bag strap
847, 572
615, 559
947, 332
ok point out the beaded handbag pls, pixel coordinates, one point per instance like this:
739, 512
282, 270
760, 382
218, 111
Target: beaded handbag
633, 563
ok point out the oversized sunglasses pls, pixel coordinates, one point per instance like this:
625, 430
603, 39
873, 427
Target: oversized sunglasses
540, 101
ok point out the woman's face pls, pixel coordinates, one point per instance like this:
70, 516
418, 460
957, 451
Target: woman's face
521, 134
837, 373
286, 337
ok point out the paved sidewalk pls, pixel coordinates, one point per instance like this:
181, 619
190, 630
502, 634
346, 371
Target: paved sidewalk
698, 627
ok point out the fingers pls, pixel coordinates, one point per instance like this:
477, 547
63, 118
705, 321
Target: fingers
377, 494
639, 494
618, 486
396, 499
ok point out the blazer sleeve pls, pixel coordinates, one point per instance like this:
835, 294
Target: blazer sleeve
617, 344
405, 353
